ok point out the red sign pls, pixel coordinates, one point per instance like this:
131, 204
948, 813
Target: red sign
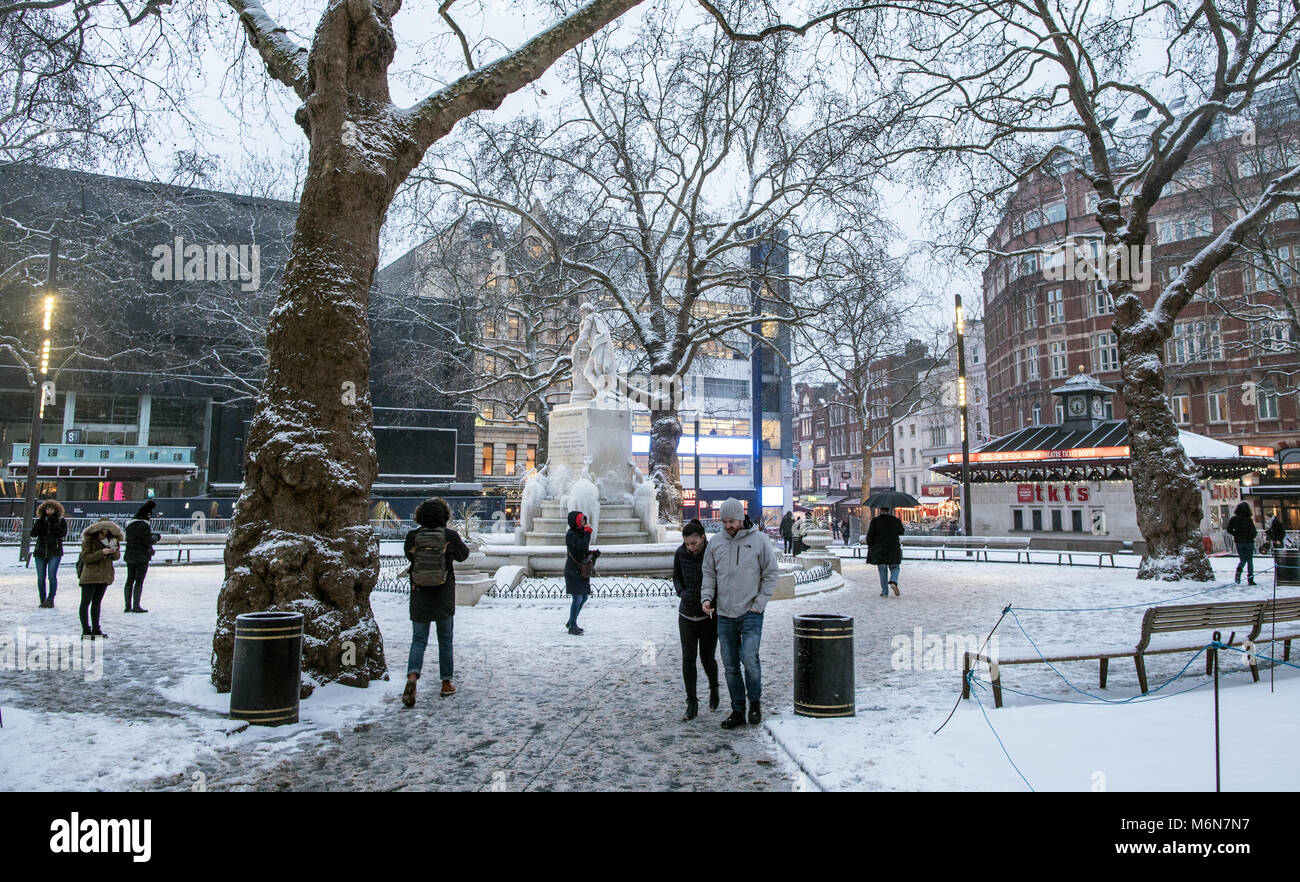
945, 490
1050, 493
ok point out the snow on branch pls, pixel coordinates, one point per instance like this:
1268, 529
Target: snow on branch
285, 60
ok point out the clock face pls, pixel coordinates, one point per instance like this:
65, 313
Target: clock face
1096, 407
1077, 406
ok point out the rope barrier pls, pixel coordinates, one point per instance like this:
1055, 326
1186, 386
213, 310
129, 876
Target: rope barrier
998, 737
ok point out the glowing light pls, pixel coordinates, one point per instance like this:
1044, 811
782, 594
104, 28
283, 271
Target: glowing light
1031, 455
1251, 450
961, 391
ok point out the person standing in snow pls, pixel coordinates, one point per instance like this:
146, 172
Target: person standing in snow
698, 630
845, 530
800, 530
787, 531
1241, 526
885, 550
1276, 533
140, 540
101, 544
431, 548
48, 531
739, 571
580, 558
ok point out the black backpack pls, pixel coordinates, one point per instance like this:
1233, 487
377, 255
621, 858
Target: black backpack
429, 558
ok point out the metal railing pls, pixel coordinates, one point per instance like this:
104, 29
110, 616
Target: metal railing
812, 574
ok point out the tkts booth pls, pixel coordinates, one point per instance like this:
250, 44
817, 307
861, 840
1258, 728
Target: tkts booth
1070, 481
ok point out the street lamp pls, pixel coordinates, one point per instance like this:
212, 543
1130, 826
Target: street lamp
38, 405
961, 402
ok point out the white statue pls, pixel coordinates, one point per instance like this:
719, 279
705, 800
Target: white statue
595, 369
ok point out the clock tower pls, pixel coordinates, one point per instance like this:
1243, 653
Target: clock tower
1085, 401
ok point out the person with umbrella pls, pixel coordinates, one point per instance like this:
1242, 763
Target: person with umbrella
883, 533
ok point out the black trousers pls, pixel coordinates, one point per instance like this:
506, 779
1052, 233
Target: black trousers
789, 540
91, 598
134, 583
701, 637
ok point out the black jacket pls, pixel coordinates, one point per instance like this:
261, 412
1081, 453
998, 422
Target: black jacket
578, 545
1242, 528
1276, 532
883, 546
431, 604
688, 573
787, 526
139, 541
49, 533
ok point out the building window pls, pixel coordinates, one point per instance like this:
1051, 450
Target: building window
1178, 229
1058, 360
1060, 412
1280, 275
820, 456
1055, 306
1105, 353
913, 456
1076, 520
1216, 406
1182, 407
1038, 414
1266, 400
1103, 302
938, 436
487, 459
1017, 519
724, 387
1057, 524
1054, 212
1031, 362
1031, 309
1036, 516
1195, 341
531, 462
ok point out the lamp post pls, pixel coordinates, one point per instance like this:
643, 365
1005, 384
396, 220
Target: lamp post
38, 403
961, 402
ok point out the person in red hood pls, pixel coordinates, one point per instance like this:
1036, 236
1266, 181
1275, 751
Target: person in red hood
578, 544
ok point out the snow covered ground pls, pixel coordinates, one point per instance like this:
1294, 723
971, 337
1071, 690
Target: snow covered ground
539, 709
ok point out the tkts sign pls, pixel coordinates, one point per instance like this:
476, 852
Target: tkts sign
1051, 493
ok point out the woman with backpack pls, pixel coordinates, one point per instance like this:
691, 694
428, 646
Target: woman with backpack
431, 548
48, 531
140, 539
578, 566
101, 544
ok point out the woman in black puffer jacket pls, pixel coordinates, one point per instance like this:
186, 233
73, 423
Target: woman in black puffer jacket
698, 629
140, 539
577, 543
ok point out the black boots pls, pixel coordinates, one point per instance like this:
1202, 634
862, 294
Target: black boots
735, 721
692, 709
713, 696
754, 715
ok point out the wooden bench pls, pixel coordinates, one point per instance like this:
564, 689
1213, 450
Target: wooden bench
1068, 557
1241, 616
1286, 610
186, 543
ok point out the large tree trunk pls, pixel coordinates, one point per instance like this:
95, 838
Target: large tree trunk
665, 469
1166, 486
299, 538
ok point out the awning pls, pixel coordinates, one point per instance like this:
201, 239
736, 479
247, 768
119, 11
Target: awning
829, 500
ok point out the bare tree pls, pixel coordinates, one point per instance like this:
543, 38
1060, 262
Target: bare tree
1002, 92
684, 158
299, 538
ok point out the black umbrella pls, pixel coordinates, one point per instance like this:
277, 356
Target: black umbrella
891, 499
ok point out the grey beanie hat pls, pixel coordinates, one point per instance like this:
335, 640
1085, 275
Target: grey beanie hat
733, 509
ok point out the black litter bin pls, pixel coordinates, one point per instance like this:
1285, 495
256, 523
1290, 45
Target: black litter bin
1288, 567
265, 680
823, 666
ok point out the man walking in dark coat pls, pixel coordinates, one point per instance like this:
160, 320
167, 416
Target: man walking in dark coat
140, 540
884, 549
1241, 526
698, 629
431, 548
787, 531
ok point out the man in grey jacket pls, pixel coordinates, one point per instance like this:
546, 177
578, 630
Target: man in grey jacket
740, 572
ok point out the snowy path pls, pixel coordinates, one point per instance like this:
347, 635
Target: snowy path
541, 710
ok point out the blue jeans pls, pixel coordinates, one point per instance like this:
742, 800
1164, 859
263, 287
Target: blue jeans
575, 607
739, 640
1246, 558
888, 573
46, 565
420, 639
